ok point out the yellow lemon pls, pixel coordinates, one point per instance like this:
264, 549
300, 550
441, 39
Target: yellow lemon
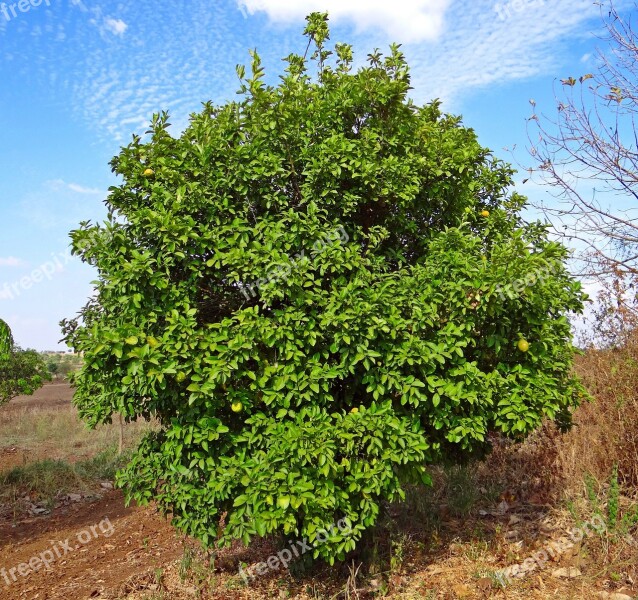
149, 173
523, 345
355, 410
485, 213
237, 407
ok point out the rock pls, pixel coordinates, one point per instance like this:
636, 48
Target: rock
106, 485
614, 596
502, 508
74, 497
514, 520
567, 573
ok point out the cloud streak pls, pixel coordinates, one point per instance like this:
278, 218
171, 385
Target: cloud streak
12, 262
408, 20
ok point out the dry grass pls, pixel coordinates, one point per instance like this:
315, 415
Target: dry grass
33, 429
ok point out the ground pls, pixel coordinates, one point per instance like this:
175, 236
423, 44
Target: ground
444, 546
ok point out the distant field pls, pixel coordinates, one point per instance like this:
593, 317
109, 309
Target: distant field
46, 425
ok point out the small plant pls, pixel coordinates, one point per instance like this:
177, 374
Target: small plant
186, 563
462, 493
159, 578
397, 555
496, 579
193, 568
612, 499
607, 506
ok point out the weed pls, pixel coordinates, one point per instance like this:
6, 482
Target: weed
462, 494
612, 500
398, 552
46, 480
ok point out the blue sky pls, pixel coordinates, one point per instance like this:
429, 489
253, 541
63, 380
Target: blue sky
80, 76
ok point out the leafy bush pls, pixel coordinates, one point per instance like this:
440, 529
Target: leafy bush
6, 340
318, 290
22, 372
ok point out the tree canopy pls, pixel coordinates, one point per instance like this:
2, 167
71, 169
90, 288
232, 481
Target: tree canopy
319, 290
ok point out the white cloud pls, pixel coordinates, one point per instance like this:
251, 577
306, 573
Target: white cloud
74, 187
404, 20
12, 261
60, 184
115, 26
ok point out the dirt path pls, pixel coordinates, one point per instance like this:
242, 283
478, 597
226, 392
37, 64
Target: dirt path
92, 548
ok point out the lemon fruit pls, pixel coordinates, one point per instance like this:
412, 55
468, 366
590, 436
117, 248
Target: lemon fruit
237, 407
523, 345
485, 213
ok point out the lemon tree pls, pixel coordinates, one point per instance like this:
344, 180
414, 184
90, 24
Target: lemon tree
22, 372
318, 291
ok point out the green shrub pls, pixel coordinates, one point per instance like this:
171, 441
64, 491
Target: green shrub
22, 372
318, 290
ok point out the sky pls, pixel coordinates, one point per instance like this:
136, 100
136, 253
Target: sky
79, 77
